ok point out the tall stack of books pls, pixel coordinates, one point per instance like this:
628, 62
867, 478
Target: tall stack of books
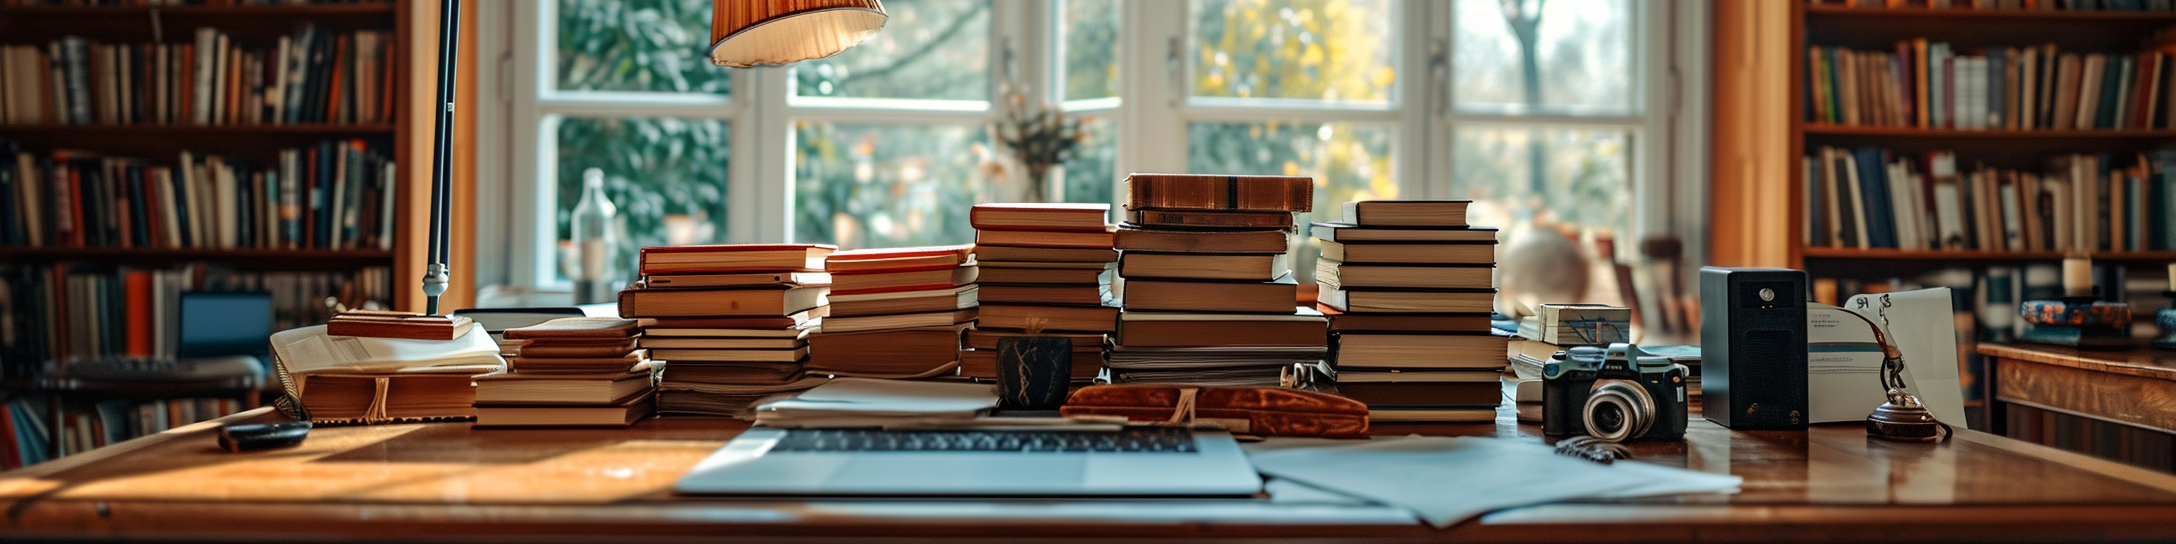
1208, 292
573, 371
1046, 270
896, 313
1409, 287
730, 321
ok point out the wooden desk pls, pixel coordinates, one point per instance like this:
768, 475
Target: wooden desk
2135, 387
448, 481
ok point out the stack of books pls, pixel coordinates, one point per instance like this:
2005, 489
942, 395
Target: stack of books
574, 371
1208, 291
730, 321
896, 313
1409, 286
1045, 269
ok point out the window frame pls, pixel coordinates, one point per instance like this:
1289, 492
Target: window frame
1151, 116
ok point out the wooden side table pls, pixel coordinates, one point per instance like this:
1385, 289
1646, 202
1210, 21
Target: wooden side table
2133, 388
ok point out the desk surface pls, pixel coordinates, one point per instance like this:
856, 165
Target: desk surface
444, 481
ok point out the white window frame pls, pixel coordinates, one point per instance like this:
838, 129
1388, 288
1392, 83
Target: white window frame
516, 139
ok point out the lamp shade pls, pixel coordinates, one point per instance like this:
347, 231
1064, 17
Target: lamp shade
747, 33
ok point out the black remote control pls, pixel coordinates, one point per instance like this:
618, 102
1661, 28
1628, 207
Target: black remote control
263, 436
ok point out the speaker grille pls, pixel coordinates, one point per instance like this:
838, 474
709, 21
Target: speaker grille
1770, 389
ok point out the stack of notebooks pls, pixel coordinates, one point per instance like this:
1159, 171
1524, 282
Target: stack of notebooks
730, 321
1208, 292
1409, 288
896, 313
1045, 268
574, 371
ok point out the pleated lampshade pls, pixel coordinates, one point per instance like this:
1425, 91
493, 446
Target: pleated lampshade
747, 33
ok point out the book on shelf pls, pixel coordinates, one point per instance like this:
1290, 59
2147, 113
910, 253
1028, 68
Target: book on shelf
65, 310
313, 75
1876, 198
1223, 193
734, 258
338, 194
1935, 85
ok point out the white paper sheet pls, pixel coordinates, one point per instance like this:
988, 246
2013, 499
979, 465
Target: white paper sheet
1923, 326
1843, 366
308, 350
1445, 480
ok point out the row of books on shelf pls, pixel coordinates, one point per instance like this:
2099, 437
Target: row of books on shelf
314, 75
1876, 198
1934, 85
2038, 5
32, 437
338, 194
62, 312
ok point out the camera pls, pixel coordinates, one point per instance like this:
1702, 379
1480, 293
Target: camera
1612, 394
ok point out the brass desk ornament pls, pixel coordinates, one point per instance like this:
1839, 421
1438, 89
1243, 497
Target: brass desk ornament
1902, 418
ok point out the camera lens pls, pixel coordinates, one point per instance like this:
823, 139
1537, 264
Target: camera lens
1618, 410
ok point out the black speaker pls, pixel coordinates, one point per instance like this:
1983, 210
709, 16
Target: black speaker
1753, 347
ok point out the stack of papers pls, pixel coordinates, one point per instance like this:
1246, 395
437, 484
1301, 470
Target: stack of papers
863, 402
1445, 480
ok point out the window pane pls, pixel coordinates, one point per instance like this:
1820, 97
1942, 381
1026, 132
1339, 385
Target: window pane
1327, 50
1584, 175
1092, 171
930, 49
637, 45
1348, 161
861, 185
666, 177
1581, 55
1088, 34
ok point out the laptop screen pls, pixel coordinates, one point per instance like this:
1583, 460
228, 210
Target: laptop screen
215, 324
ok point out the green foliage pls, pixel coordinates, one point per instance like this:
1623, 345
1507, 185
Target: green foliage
863, 186
637, 45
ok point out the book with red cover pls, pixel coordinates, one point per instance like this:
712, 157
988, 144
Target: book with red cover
872, 261
734, 258
1183, 219
909, 280
986, 253
719, 303
1407, 213
1040, 217
1215, 192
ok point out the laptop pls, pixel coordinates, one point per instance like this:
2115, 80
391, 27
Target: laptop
1134, 461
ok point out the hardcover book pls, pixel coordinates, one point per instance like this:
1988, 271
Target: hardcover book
1213, 192
734, 258
1040, 217
1407, 213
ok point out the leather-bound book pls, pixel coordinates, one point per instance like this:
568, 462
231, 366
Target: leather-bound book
405, 325
1213, 192
1181, 219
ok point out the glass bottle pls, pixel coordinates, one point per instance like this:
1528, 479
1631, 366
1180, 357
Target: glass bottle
595, 241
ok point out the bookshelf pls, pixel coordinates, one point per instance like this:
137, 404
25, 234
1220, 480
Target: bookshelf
400, 131
1763, 128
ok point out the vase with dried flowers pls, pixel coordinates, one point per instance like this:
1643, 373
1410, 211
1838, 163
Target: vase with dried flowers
1039, 140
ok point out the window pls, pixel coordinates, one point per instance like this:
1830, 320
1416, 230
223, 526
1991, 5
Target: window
1556, 111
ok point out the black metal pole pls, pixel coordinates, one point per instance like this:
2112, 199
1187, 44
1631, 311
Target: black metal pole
437, 273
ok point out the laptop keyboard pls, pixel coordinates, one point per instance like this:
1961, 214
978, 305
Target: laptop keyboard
1129, 440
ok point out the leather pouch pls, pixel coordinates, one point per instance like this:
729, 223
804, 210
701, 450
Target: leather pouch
1249, 411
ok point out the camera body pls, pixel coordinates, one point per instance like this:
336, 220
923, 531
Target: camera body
1613, 394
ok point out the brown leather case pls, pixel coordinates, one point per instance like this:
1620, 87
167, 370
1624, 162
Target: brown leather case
1251, 411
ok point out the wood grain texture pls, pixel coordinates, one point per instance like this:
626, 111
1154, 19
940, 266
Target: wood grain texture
2141, 362
449, 481
1755, 161
2101, 395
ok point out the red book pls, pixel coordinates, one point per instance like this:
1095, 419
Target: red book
905, 259
138, 284
734, 258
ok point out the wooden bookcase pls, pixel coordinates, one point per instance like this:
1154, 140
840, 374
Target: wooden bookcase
1760, 130
412, 26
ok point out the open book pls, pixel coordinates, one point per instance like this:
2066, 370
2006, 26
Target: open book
352, 379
